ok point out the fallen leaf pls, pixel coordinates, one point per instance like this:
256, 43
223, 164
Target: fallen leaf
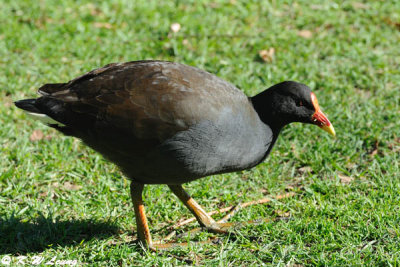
36, 135
7, 103
175, 27
374, 152
374, 149
70, 186
395, 146
305, 169
94, 11
363, 92
53, 195
267, 55
264, 191
289, 187
351, 165
104, 25
392, 23
245, 177
305, 34
214, 5
317, 7
358, 5
282, 213
345, 179
295, 184
185, 42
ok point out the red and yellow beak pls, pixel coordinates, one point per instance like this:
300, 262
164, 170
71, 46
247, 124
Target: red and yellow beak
319, 118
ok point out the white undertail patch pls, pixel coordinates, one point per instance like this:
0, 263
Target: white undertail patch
43, 118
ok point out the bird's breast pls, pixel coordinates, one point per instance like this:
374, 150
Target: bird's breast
210, 147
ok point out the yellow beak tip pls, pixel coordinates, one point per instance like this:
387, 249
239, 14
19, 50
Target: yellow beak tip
329, 129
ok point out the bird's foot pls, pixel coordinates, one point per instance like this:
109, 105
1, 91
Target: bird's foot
222, 226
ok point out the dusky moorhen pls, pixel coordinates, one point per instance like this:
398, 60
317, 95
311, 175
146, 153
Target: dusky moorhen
168, 123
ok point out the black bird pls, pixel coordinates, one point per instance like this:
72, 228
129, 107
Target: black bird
169, 123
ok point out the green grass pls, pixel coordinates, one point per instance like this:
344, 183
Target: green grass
59, 198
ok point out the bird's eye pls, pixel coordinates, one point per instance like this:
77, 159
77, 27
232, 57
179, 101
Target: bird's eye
299, 103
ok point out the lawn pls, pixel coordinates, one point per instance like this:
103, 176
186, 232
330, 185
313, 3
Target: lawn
60, 199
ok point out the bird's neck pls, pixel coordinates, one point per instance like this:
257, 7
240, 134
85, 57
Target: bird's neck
264, 104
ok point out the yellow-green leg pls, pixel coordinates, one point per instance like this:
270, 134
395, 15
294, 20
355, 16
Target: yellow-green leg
202, 217
143, 230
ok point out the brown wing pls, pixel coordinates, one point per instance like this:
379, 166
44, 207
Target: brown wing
151, 99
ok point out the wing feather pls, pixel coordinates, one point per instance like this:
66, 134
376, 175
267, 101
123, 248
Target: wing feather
150, 99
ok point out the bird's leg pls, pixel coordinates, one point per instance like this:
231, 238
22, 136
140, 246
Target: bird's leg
202, 217
141, 220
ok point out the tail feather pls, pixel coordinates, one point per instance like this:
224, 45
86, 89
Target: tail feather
50, 88
29, 106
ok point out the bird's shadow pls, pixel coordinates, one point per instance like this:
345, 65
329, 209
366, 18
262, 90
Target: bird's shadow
18, 236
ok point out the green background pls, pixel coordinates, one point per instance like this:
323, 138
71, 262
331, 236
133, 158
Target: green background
59, 198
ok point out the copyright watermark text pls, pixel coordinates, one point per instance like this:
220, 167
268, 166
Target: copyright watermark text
35, 260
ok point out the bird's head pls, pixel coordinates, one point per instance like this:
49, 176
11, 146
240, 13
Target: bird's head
288, 102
